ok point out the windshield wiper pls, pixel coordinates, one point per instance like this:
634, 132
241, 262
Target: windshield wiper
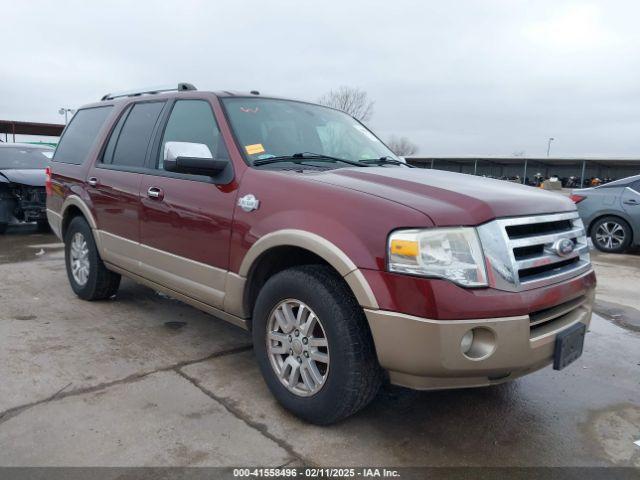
299, 157
385, 161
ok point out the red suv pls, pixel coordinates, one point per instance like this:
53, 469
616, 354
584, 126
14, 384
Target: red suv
294, 221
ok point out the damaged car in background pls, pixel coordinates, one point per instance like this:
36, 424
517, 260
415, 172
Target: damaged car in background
22, 184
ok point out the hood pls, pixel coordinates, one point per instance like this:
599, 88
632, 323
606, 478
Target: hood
448, 198
32, 177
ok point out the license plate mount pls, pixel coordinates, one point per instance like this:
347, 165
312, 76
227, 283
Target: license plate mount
569, 345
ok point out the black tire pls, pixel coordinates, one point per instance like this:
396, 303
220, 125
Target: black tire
619, 243
353, 377
3, 227
43, 226
101, 283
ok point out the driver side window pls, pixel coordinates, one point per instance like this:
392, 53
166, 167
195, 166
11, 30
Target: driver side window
193, 121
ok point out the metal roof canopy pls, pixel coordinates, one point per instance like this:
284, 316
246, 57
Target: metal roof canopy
527, 162
550, 161
30, 128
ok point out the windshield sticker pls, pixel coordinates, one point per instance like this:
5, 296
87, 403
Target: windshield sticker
254, 149
249, 110
367, 133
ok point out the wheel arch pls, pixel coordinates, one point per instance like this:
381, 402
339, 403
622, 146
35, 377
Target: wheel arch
287, 248
72, 207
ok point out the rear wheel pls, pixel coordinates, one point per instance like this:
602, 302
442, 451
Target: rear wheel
314, 346
611, 234
88, 276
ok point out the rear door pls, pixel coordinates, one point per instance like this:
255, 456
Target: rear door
114, 182
186, 219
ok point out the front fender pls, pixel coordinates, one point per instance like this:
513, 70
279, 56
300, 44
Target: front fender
346, 228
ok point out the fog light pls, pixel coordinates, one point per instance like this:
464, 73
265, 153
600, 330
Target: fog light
478, 343
467, 341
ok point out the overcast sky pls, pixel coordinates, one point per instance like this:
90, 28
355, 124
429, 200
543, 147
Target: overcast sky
489, 77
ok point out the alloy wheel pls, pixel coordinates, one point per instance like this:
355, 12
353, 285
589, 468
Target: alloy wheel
297, 347
79, 259
610, 235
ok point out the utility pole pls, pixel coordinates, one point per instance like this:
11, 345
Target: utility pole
66, 112
551, 139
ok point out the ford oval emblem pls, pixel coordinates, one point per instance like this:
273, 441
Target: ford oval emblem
563, 247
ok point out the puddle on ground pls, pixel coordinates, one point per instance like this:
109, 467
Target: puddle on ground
23, 243
622, 315
174, 325
613, 433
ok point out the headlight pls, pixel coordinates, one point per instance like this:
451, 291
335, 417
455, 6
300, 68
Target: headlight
451, 253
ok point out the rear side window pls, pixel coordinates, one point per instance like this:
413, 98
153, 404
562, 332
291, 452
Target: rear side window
81, 134
193, 121
131, 136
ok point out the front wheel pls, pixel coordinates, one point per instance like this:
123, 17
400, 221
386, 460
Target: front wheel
313, 345
611, 234
3, 227
88, 276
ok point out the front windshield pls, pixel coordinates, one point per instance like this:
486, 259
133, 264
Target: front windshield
268, 128
22, 157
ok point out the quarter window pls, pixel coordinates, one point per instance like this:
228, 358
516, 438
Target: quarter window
193, 121
81, 134
131, 136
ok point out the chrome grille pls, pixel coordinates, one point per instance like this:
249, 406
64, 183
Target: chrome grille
520, 251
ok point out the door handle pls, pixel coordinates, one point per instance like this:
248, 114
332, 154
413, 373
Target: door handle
631, 202
92, 181
154, 192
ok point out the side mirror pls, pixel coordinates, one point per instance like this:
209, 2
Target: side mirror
192, 159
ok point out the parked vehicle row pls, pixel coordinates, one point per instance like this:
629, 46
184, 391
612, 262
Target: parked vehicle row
294, 221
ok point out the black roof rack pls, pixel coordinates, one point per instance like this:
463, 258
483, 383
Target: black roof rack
149, 91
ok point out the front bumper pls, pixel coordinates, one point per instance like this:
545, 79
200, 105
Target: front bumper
425, 354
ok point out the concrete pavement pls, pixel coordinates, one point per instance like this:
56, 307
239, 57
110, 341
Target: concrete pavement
144, 380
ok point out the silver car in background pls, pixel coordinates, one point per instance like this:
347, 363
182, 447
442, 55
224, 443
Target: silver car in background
611, 213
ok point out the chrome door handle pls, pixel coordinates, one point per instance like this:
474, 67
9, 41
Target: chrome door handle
154, 192
631, 202
92, 181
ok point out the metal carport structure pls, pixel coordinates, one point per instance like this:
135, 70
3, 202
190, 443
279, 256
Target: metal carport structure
13, 127
496, 166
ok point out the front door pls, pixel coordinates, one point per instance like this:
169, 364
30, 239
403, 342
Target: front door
186, 219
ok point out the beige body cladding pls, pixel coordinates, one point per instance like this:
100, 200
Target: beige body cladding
215, 290
417, 352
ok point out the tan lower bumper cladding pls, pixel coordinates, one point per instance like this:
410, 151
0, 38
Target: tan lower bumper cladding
427, 354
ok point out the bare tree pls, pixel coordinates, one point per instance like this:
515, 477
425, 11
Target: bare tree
351, 100
402, 146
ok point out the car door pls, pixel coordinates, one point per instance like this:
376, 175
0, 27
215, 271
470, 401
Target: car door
186, 219
114, 183
630, 199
